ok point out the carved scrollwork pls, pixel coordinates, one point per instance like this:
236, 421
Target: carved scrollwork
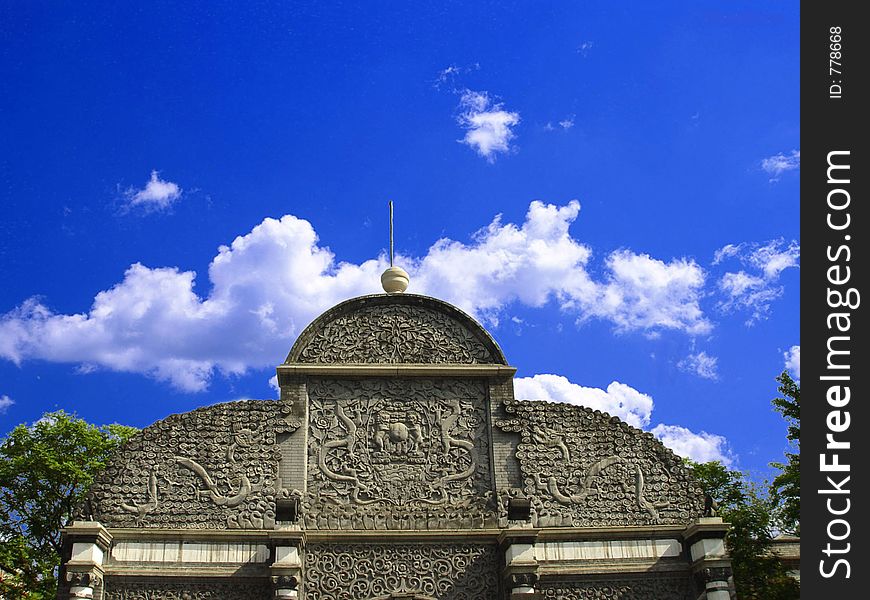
457, 571
213, 468
647, 588
584, 468
393, 333
138, 588
384, 451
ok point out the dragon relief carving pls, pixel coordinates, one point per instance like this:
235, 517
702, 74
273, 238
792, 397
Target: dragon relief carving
417, 446
214, 468
584, 468
394, 334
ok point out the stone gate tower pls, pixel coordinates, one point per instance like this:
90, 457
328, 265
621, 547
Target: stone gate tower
395, 465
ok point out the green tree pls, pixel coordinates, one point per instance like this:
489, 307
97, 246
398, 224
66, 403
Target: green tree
45, 470
785, 490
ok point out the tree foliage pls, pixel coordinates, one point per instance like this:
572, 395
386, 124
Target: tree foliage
45, 470
786, 487
757, 511
758, 574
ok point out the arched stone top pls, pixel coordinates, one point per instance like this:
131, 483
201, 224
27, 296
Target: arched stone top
215, 467
403, 328
585, 468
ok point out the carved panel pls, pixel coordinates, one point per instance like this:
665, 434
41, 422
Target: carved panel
393, 333
398, 454
213, 468
137, 588
584, 468
654, 587
364, 571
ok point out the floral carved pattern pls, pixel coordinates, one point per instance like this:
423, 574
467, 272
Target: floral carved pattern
585, 468
398, 454
213, 468
132, 588
362, 571
395, 333
659, 588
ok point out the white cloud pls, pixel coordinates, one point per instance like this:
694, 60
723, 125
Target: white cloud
793, 361
701, 364
619, 399
630, 405
584, 48
488, 126
567, 123
5, 403
268, 284
700, 447
156, 195
754, 292
780, 163
273, 383
642, 292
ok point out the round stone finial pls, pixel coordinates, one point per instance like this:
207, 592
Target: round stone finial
395, 280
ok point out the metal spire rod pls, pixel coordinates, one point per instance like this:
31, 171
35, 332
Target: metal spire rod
391, 233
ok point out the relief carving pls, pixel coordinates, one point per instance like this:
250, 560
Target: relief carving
457, 571
213, 468
135, 588
392, 333
584, 468
408, 449
660, 588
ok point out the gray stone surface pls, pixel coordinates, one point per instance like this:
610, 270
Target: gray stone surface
455, 571
395, 329
386, 470
212, 468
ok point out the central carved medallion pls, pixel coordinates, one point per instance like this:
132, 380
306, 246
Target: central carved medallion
412, 443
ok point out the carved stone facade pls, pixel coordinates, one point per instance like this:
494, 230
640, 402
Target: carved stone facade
364, 571
156, 588
398, 454
213, 468
394, 329
584, 468
655, 587
396, 464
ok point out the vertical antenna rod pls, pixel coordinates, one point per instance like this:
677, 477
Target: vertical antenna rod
391, 233
395, 279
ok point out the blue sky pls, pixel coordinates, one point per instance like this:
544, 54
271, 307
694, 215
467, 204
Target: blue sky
612, 189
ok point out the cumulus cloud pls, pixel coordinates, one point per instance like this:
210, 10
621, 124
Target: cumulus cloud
489, 128
630, 405
271, 282
701, 364
620, 400
157, 194
642, 292
754, 291
5, 403
793, 361
700, 447
780, 163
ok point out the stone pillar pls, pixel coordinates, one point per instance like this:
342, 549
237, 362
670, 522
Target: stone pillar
705, 540
715, 582
521, 563
83, 572
286, 568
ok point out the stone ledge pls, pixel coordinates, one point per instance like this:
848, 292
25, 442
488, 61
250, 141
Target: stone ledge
395, 370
